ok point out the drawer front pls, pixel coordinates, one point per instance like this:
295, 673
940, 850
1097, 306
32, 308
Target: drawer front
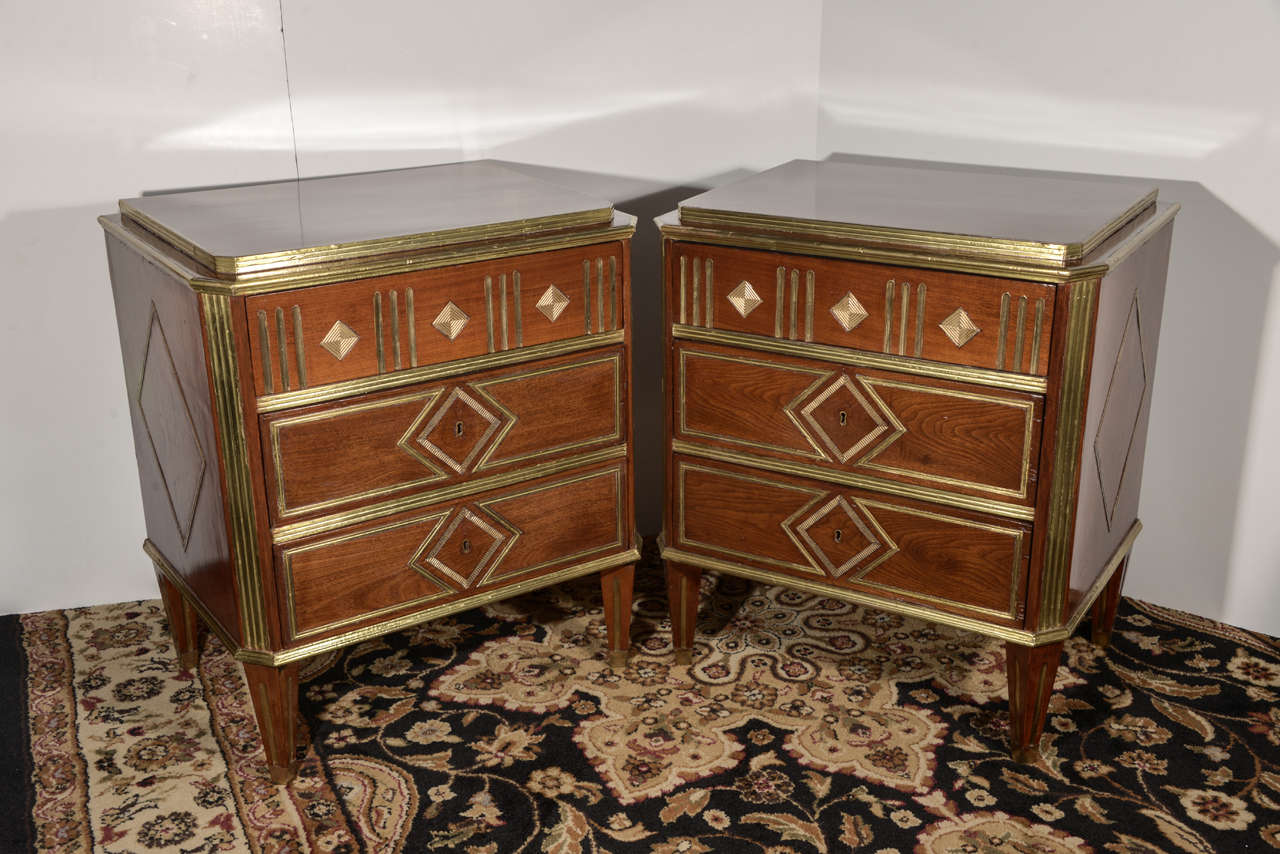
852, 539
933, 433
439, 433
977, 321
454, 551
327, 334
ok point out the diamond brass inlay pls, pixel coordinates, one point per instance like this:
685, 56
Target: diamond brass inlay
552, 303
1121, 413
457, 432
959, 327
848, 312
339, 340
845, 538
469, 545
744, 298
450, 321
846, 421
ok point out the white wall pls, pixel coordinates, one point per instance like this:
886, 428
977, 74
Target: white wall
1183, 94
645, 103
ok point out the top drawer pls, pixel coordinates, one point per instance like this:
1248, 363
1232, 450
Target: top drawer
367, 327
982, 322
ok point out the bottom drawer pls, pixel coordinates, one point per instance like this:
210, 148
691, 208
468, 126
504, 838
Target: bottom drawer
451, 552
853, 539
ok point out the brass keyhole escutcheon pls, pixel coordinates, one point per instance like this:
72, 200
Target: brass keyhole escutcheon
466, 547
844, 418
839, 535
457, 428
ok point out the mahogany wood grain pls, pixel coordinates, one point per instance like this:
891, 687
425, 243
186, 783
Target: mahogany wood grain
377, 446
952, 436
358, 303
1104, 607
274, 691
485, 542
184, 624
895, 548
683, 589
1031, 671
883, 330
616, 587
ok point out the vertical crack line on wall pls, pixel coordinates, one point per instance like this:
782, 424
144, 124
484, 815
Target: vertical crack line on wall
288, 89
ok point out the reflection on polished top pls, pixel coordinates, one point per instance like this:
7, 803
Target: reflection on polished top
963, 211
289, 223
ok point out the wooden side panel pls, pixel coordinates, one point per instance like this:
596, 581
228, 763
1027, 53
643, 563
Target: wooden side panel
853, 539
1130, 305
379, 445
161, 340
350, 330
934, 433
947, 317
451, 552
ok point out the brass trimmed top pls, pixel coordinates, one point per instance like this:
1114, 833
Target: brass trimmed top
270, 228
969, 212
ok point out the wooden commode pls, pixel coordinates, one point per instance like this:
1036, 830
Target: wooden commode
922, 389
363, 402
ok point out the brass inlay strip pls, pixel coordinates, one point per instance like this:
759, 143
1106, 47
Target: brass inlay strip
395, 328
920, 293
364, 385
1035, 337
902, 324
586, 294
888, 314
283, 347
599, 295
515, 301
413, 328
710, 277
808, 311
697, 284
298, 347
1104, 577
1020, 339
220, 338
1004, 331
488, 303
264, 339
795, 302
613, 292
1066, 454
165, 568
777, 314
617, 610
300, 530
862, 358
905, 490
377, 331
684, 315
502, 301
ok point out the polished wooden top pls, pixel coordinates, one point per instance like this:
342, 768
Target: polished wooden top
975, 212
290, 223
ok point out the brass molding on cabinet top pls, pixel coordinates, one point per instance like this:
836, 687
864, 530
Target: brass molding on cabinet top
299, 530
903, 490
865, 359
364, 265
441, 370
365, 633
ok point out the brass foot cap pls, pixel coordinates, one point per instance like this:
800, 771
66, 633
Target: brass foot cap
188, 660
1102, 638
617, 658
684, 656
283, 774
1026, 755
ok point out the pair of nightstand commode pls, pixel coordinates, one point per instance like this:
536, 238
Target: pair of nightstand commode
360, 403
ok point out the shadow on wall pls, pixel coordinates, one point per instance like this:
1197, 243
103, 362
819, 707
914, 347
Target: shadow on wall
1220, 273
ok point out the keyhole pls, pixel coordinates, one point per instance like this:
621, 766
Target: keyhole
844, 417
839, 535
466, 547
457, 428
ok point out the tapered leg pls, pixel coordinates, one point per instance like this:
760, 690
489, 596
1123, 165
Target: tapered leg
1104, 607
617, 585
275, 700
682, 600
1031, 670
184, 625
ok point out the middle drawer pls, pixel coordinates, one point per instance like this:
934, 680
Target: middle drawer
932, 433
378, 445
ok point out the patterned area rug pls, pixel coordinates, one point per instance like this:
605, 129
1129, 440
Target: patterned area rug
804, 725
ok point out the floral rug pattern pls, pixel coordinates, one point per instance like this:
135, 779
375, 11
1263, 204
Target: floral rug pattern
803, 725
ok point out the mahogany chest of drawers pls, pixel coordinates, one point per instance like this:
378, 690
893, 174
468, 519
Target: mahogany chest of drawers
362, 402
925, 390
